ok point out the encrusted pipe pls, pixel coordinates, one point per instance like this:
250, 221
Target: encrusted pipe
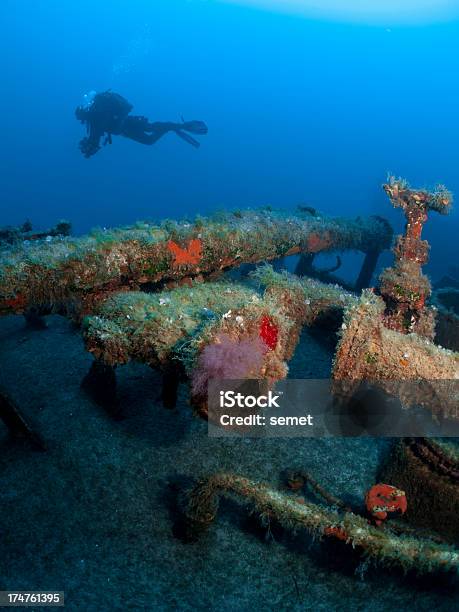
390, 550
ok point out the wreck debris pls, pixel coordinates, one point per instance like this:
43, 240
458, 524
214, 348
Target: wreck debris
177, 326
406, 366
404, 288
447, 330
446, 300
380, 500
34, 318
11, 416
172, 375
305, 265
74, 274
100, 384
11, 235
387, 338
306, 300
388, 549
211, 330
297, 479
428, 470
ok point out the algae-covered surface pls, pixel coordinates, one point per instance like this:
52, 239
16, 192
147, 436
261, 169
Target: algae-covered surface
96, 515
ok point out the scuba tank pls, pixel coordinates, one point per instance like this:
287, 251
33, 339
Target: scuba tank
112, 103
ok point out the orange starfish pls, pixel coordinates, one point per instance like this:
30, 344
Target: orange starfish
190, 255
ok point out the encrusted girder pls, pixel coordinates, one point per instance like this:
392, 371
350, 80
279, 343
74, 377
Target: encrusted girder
73, 275
213, 330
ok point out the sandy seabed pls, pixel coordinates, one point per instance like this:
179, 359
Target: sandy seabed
94, 516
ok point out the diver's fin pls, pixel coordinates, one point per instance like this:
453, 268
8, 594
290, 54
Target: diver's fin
195, 127
187, 138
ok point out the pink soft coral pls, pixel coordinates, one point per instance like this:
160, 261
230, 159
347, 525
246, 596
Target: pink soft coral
228, 359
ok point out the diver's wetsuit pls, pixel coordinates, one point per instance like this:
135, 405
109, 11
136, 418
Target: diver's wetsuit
108, 113
140, 129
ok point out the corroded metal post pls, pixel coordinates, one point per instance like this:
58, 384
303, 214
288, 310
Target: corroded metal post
404, 287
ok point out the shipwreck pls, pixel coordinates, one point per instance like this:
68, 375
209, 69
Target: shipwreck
160, 295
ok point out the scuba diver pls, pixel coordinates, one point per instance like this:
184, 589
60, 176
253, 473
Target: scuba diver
107, 113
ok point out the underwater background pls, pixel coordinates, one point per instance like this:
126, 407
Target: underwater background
306, 103
300, 109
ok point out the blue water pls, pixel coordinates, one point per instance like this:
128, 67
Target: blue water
298, 109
